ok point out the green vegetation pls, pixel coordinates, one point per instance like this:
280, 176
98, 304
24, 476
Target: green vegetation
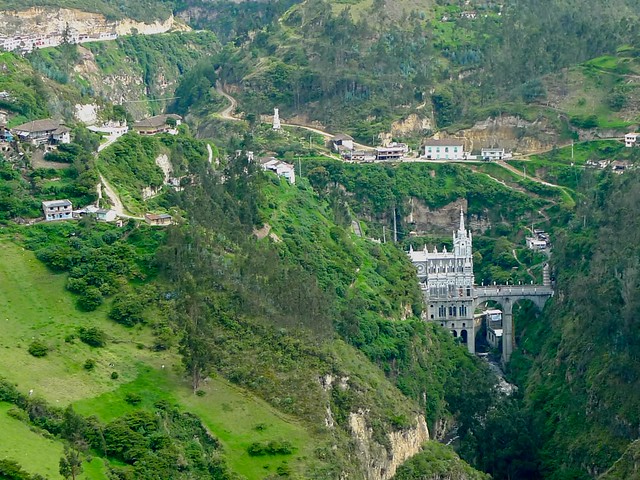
436, 461
19, 444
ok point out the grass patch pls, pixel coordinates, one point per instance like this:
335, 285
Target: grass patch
35, 305
35, 453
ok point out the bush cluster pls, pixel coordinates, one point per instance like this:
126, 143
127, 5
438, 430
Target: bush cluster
273, 447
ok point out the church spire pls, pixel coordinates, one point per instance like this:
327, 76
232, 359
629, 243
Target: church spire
461, 219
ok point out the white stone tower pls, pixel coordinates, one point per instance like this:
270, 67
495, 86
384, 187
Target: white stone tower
446, 279
276, 119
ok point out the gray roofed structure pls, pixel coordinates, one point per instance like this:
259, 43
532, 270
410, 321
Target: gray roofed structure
445, 142
157, 121
57, 203
44, 125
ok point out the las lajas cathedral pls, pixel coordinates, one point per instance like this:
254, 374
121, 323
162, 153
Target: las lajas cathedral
446, 280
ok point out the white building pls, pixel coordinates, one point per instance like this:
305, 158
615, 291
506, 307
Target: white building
446, 149
493, 324
447, 280
631, 139
57, 210
342, 140
393, 151
282, 169
494, 153
43, 131
534, 243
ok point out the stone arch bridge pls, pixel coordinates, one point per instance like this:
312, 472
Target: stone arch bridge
507, 296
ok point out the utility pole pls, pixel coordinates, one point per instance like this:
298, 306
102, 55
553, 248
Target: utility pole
299, 167
395, 227
384, 235
572, 151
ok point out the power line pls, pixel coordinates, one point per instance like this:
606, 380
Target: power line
149, 100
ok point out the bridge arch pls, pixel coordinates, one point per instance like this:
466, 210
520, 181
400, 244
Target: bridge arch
508, 296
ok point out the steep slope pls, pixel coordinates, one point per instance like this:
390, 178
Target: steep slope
581, 363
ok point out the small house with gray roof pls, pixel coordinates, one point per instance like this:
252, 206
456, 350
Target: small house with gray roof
165, 123
40, 132
57, 210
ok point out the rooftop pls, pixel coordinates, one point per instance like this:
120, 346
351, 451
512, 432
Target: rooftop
445, 142
157, 121
44, 125
341, 136
161, 216
56, 203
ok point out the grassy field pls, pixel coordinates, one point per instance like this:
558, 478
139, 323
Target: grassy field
34, 305
35, 453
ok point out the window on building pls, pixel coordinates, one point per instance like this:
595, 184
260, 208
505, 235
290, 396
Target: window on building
442, 311
468, 291
446, 149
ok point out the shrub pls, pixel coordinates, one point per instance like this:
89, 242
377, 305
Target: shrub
114, 375
133, 398
38, 349
89, 364
92, 336
273, 447
90, 299
127, 310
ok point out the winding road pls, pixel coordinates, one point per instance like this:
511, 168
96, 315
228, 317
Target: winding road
226, 114
117, 204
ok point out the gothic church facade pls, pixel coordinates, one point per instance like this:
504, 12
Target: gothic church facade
446, 280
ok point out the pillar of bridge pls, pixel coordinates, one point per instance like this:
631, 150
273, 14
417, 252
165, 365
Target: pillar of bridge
546, 276
507, 330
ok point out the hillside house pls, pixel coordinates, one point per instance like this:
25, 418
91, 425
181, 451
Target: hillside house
162, 219
342, 140
282, 169
494, 153
393, 151
536, 243
57, 210
619, 166
493, 323
5, 134
631, 139
165, 123
358, 155
445, 149
45, 131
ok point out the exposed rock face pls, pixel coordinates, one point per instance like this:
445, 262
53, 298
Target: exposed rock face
381, 463
424, 220
87, 113
120, 87
47, 21
512, 133
411, 125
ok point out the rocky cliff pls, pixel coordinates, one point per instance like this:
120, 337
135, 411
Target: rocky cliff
512, 133
49, 21
380, 462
